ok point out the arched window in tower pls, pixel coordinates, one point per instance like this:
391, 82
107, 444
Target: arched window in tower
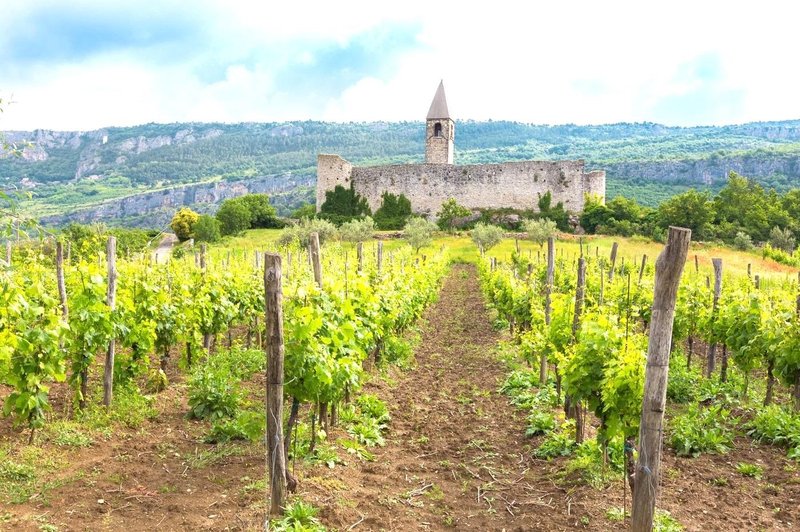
437, 129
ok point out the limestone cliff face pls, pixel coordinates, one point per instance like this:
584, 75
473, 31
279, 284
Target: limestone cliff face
157, 207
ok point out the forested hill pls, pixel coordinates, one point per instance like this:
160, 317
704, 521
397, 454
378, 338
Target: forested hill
65, 171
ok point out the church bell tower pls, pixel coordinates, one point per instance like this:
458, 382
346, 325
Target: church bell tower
440, 131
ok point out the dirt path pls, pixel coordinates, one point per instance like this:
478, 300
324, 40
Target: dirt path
163, 252
456, 455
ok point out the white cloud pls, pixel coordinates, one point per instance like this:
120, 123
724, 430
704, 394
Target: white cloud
582, 62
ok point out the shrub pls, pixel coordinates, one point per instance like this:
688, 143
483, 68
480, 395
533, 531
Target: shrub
700, 431
207, 229
777, 426
213, 394
233, 217
394, 212
782, 239
343, 204
182, 223
540, 422
449, 212
419, 233
487, 236
742, 241
540, 230
247, 425
558, 442
357, 230
299, 234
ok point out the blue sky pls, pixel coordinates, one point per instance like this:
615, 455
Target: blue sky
87, 64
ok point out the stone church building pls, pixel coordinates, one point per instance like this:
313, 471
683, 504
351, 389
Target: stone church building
518, 184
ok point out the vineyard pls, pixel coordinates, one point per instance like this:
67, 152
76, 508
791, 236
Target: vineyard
418, 393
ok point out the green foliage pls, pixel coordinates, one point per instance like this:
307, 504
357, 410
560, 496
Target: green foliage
691, 209
418, 232
487, 236
298, 517
557, 214
343, 204
214, 391
742, 241
449, 213
262, 213
700, 430
683, 384
557, 443
299, 234
775, 425
374, 408
307, 210
540, 230
247, 425
750, 470
233, 217
540, 422
207, 229
664, 522
782, 239
182, 223
357, 230
394, 212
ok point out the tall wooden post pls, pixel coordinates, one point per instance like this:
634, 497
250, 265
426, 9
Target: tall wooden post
712, 348
360, 253
641, 269
669, 267
548, 291
316, 260
111, 301
796, 389
62, 287
379, 256
696, 264
614, 248
203, 249
8, 253
276, 459
580, 292
757, 279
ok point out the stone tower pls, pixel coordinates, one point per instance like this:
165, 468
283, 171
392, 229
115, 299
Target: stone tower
440, 131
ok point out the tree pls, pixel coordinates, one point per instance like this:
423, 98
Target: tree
305, 211
450, 211
233, 217
487, 236
691, 209
558, 214
595, 214
782, 239
419, 233
393, 213
540, 230
262, 214
182, 223
343, 204
207, 229
357, 230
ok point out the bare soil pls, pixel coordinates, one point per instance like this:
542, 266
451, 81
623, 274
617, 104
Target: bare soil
456, 458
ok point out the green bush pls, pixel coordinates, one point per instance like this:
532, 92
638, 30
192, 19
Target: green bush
394, 212
559, 442
247, 425
207, 229
773, 424
700, 431
449, 212
487, 236
418, 233
300, 233
343, 204
213, 393
540, 422
357, 230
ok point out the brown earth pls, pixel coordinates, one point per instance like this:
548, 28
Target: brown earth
456, 458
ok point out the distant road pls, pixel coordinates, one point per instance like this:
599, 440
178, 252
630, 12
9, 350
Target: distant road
164, 250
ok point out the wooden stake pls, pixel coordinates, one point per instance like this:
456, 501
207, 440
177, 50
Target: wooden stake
111, 301
276, 459
360, 253
712, 348
62, 287
614, 248
316, 260
576, 324
696, 265
641, 270
548, 290
379, 256
669, 267
8, 253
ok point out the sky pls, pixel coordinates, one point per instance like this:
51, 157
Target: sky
89, 64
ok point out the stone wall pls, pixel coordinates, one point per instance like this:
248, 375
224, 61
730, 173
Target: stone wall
518, 185
332, 170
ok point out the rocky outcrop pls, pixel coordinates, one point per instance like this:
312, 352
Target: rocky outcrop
158, 206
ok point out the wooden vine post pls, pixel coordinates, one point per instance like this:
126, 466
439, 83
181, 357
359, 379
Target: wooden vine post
548, 291
571, 403
111, 301
8, 253
276, 459
316, 260
669, 267
614, 248
380, 256
360, 253
641, 269
62, 287
712, 348
796, 389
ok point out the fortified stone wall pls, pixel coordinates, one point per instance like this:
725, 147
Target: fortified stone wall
515, 184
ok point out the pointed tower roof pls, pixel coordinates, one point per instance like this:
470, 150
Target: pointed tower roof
439, 104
